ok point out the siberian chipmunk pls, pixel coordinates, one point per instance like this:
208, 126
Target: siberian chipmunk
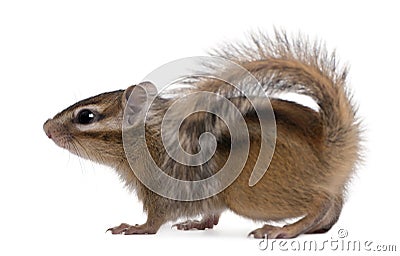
315, 151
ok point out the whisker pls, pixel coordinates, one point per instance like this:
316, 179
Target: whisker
85, 153
78, 153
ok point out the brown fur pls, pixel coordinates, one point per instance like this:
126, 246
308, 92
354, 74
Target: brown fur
316, 152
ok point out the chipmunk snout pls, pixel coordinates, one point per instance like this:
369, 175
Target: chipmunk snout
46, 128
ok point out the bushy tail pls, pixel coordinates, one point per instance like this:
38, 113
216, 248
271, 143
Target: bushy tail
297, 65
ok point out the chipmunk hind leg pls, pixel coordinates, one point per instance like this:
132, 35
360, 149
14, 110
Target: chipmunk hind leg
316, 214
330, 218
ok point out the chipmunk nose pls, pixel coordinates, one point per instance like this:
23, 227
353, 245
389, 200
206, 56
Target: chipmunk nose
46, 128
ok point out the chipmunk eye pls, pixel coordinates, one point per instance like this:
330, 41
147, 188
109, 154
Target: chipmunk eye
85, 116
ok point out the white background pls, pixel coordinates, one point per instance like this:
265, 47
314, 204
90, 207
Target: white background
53, 54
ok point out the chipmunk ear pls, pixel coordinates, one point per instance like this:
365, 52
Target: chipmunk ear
127, 93
137, 98
140, 93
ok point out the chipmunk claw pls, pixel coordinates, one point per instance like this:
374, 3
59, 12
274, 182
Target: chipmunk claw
193, 224
126, 229
270, 232
208, 222
119, 230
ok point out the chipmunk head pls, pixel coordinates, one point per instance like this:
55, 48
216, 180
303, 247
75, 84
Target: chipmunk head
92, 128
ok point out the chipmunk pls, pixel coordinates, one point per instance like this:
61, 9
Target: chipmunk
316, 151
